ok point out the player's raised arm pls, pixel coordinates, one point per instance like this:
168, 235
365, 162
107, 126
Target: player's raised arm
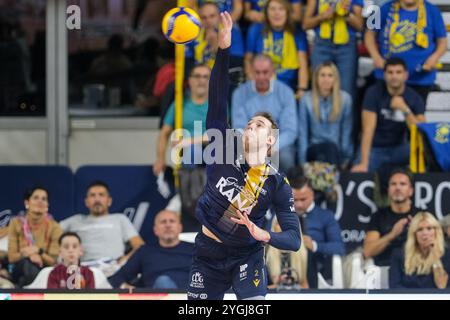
219, 82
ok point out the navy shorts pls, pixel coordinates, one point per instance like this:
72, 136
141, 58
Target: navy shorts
217, 268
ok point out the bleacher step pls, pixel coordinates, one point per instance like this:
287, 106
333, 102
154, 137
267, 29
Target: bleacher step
438, 101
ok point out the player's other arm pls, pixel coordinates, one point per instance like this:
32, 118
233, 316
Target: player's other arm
219, 82
289, 238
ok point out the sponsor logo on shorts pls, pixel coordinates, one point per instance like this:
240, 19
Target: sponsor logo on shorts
256, 281
203, 296
243, 272
192, 295
197, 280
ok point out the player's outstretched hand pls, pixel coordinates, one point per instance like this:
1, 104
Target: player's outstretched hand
225, 32
256, 232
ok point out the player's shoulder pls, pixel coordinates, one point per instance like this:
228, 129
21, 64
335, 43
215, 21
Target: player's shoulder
279, 177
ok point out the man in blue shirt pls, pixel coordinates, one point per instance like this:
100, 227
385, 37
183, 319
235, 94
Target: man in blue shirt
413, 30
321, 232
164, 265
266, 94
388, 108
241, 187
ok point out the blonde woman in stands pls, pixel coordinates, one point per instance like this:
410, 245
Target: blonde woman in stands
424, 262
286, 268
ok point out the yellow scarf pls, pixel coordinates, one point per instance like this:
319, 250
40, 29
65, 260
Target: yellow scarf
416, 153
200, 50
421, 37
247, 198
340, 31
289, 56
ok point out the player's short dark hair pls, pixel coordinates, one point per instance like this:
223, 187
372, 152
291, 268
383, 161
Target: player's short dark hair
269, 117
68, 234
395, 61
403, 171
29, 192
97, 183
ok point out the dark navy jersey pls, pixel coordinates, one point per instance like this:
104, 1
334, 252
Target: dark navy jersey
234, 185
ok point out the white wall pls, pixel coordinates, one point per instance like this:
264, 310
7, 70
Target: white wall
23, 147
112, 147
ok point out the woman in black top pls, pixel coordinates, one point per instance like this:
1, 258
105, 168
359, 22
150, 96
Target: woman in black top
424, 262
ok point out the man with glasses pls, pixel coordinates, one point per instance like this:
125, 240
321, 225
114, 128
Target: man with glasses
192, 174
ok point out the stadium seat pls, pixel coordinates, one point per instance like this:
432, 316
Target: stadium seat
337, 275
42, 278
367, 275
188, 236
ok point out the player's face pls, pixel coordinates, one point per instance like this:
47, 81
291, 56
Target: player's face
263, 73
400, 189
210, 16
38, 202
277, 15
395, 76
257, 134
167, 226
303, 198
98, 200
199, 81
70, 250
325, 79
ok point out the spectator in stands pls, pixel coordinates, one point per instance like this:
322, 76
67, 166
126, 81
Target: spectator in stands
388, 226
69, 274
266, 94
388, 109
321, 232
165, 265
203, 49
104, 235
33, 238
335, 24
286, 269
159, 90
325, 120
424, 262
445, 223
113, 61
5, 277
192, 174
414, 31
286, 45
234, 7
254, 9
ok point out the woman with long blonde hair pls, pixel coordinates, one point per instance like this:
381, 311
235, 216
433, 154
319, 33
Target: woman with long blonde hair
326, 119
424, 262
